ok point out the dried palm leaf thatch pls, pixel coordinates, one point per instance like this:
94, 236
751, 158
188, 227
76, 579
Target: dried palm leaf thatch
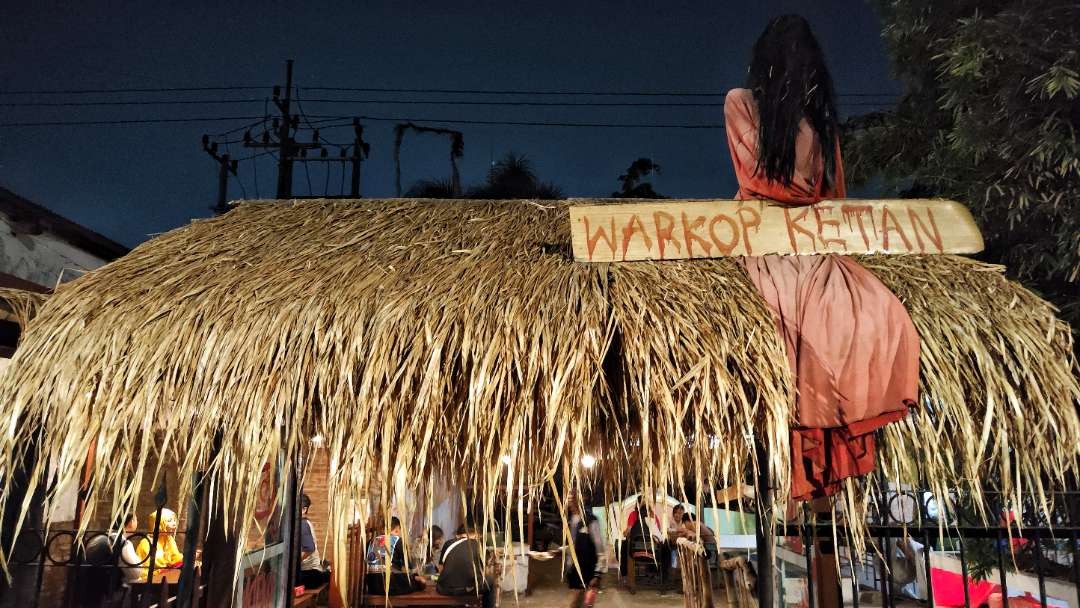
999, 390
456, 339
703, 374
20, 305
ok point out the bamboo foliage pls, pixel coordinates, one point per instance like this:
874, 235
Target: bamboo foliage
458, 339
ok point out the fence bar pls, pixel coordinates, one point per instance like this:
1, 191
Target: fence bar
766, 530
1039, 570
927, 548
964, 572
808, 544
159, 498
1002, 577
1075, 564
191, 541
887, 599
854, 576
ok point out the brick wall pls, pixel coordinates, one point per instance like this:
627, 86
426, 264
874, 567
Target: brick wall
316, 486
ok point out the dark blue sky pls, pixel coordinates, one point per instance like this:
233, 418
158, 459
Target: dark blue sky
131, 181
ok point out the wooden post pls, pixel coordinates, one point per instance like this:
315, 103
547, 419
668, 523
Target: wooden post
825, 573
766, 530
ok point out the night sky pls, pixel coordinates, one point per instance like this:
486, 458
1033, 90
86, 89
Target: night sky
132, 181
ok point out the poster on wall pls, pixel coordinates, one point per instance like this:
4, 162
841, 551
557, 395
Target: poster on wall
266, 560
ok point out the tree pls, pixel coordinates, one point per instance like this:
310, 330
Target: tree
990, 116
632, 186
432, 188
513, 177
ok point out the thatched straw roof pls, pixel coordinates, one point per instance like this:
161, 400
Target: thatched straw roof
19, 305
421, 336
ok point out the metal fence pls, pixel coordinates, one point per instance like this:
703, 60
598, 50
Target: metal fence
917, 555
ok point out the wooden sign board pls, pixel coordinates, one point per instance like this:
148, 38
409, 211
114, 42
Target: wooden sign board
677, 230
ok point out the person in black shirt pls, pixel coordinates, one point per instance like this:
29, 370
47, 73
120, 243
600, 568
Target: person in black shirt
461, 567
587, 540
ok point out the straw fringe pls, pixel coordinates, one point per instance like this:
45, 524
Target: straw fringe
999, 384
20, 305
425, 338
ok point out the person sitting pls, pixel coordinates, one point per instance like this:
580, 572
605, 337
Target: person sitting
697, 532
165, 554
111, 564
430, 546
643, 526
313, 572
387, 572
676, 529
461, 567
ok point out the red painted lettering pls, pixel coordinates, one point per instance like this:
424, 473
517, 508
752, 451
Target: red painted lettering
634, 226
848, 211
819, 210
917, 225
592, 239
689, 237
793, 227
728, 247
663, 234
886, 215
753, 222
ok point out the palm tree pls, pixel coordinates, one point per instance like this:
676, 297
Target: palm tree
513, 177
632, 186
432, 188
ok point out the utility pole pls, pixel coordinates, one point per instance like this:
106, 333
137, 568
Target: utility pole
280, 137
285, 151
225, 167
360, 150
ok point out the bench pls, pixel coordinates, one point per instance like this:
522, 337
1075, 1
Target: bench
427, 597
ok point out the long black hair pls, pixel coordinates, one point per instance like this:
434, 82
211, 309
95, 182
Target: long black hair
790, 82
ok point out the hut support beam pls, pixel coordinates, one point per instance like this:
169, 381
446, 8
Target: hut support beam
766, 530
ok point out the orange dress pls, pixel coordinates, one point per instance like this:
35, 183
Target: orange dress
851, 345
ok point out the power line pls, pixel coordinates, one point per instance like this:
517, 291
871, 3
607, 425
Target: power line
523, 123
129, 121
130, 90
193, 119
597, 93
446, 102
143, 102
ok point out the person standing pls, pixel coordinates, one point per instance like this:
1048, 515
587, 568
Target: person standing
583, 578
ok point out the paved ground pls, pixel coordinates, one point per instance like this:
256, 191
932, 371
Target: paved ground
609, 598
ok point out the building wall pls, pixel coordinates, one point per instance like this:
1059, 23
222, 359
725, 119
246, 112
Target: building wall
316, 486
41, 258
